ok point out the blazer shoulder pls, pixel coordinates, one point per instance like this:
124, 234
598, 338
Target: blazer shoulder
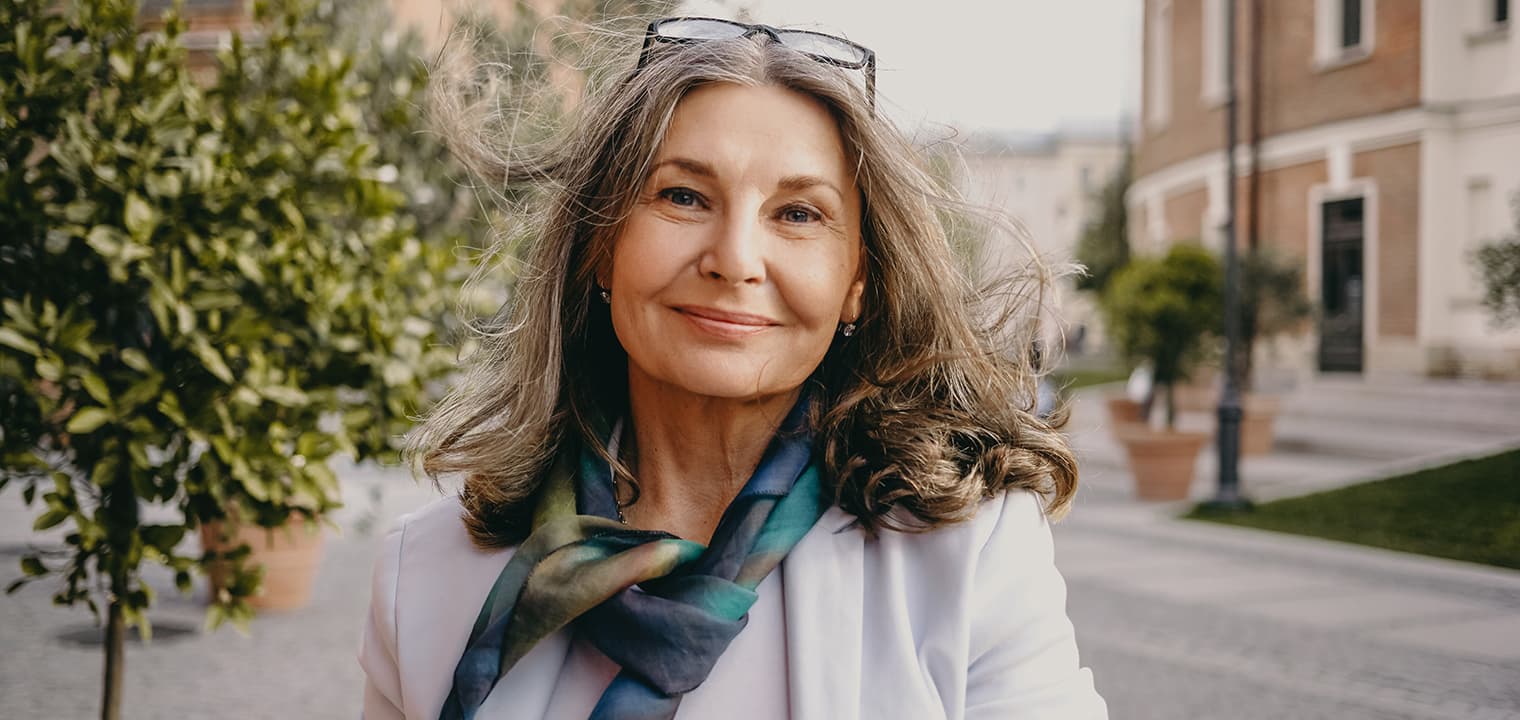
1011, 517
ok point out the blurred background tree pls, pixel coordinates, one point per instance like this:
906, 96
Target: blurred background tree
1273, 301
1498, 266
1103, 247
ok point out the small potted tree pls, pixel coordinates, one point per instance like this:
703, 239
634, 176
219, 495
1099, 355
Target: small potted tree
206, 292
1162, 311
1273, 302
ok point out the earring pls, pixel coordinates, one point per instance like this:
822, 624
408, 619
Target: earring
847, 329
606, 296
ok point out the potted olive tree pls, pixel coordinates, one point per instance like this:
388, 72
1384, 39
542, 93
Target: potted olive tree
1273, 302
207, 293
1162, 311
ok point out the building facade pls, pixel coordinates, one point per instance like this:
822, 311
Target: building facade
1388, 149
1049, 184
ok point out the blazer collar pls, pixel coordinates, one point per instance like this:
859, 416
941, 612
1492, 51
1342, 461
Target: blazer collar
822, 582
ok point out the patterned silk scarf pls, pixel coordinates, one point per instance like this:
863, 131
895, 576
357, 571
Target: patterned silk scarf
661, 607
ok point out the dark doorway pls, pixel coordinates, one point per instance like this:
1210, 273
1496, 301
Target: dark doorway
1341, 286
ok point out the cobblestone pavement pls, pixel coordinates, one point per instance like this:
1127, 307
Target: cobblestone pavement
1184, 627
1176, 619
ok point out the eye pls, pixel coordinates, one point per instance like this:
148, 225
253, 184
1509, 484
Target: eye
682, 197
800, 215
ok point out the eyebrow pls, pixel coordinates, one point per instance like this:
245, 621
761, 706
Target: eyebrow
695, 167
792, 183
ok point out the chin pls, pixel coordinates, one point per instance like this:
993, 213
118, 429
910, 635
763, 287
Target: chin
731, 387
729, 380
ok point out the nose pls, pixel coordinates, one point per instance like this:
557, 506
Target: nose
736, 252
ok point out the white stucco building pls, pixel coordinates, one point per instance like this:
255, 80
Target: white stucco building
1049, 184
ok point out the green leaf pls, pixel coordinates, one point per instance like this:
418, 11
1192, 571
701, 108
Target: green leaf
287, 396
135, 359
165, 185
106, 240
121, 65
50, 519
211, 359
14, 339
49, 368
169, 406
140, 392
103, 474
164, 538
249, 268
96, 387
87, 420
33, 567
141, 218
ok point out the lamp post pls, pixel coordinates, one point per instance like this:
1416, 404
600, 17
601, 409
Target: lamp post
1227, 497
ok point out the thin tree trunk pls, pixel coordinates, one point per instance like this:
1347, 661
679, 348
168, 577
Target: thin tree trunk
116, 635
1171, 406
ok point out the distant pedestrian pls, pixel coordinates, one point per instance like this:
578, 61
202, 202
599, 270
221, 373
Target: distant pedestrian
744, 450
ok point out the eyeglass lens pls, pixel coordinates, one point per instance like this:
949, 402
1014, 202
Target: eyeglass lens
700, 29
824, 45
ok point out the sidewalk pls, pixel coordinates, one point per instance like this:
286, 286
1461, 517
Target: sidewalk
1185, 619
1182, 619
1177, 619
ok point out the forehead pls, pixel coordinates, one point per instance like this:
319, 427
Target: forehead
763, 129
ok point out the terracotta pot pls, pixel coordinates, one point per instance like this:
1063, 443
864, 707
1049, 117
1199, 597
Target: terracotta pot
1161, 461
1200, 394
1123, 411
1256, 425
290, 556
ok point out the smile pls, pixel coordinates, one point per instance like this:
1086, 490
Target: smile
723, 324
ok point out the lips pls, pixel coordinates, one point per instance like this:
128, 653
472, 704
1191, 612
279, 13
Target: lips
723, 323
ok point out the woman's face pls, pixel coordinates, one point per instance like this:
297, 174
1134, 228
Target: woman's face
743, 252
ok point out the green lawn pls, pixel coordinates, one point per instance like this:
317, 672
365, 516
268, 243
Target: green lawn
1466, 511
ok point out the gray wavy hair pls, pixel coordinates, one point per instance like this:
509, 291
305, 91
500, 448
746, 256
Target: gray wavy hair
925, 411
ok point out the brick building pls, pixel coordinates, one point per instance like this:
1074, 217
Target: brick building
1389, 148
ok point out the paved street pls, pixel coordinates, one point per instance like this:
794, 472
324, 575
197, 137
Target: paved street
1177, 619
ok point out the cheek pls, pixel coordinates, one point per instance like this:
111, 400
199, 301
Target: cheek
817, 288
643, 258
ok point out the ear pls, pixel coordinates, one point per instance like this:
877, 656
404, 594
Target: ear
852, 301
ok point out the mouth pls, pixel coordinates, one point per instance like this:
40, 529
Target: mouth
725, 324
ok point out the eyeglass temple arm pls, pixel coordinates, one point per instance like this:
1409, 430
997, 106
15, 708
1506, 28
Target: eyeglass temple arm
649, 36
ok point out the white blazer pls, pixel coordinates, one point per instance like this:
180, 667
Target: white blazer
964, 623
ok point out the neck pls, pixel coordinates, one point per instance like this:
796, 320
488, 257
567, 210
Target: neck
692, 454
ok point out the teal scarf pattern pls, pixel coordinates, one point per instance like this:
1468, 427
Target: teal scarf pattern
662, 607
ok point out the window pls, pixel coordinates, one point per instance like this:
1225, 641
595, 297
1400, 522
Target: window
1158, 100
1351, 23
1214, 60
1501, 12
1343, 31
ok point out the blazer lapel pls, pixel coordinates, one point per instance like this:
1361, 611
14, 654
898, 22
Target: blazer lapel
525, 691
822, 579
452, 585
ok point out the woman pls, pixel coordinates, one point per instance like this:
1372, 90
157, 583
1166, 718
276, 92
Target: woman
743, 388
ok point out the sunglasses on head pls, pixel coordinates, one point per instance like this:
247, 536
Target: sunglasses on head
824, 48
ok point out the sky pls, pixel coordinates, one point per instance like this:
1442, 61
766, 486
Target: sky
1030, 65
